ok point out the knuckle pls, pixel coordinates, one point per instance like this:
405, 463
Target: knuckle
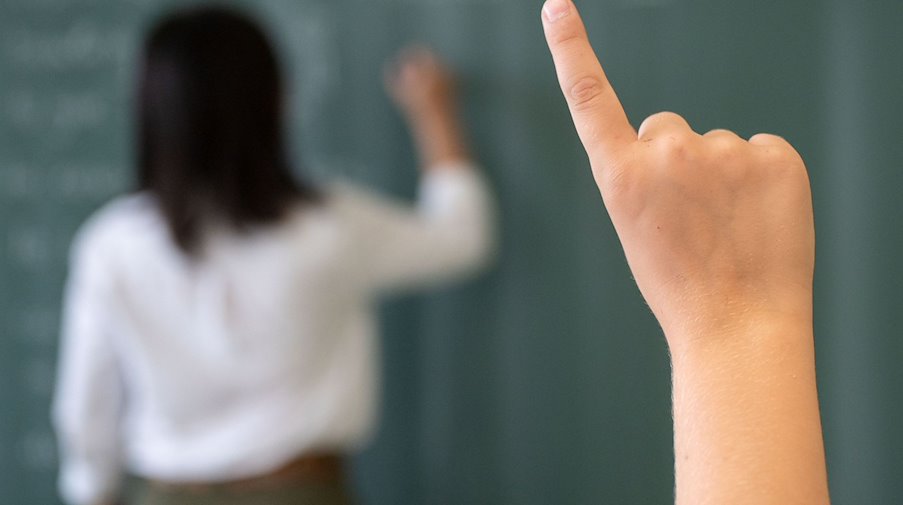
664, 116
720, 132
776, 149
585, 92
784, 160
768, 137
650, 121
791, 154
722, 148
671, 148
663, 123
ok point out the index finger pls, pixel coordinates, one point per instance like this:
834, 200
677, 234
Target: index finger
597, 113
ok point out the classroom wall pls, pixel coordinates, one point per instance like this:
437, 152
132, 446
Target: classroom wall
546, 380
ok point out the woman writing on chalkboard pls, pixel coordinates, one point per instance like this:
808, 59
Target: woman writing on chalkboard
219, 337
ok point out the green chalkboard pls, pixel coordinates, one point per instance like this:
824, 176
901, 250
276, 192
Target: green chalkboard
546, 380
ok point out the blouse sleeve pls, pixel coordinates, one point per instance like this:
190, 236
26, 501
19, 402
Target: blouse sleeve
88, 396
447, 234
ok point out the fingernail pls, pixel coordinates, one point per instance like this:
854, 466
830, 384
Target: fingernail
554, 10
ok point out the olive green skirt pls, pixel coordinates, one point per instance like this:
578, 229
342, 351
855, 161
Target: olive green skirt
141, 492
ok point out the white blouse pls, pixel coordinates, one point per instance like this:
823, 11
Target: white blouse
263, 349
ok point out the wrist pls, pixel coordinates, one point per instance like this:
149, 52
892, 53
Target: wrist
431, 117
698, 318
747, 334
766, 341
439, 139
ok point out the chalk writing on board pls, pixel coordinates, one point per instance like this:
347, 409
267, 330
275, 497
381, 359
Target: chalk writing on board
65, 182
312, 54
60, 113
81, 46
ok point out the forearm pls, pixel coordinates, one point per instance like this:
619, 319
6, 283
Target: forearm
423, 89
447, 235
746, 420
439, 138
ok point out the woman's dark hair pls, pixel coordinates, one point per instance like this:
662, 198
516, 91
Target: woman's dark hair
210, 125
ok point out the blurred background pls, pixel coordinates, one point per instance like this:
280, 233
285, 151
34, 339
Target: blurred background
547, 380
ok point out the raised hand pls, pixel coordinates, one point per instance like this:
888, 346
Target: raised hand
423, 89
707, 222
718, 232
